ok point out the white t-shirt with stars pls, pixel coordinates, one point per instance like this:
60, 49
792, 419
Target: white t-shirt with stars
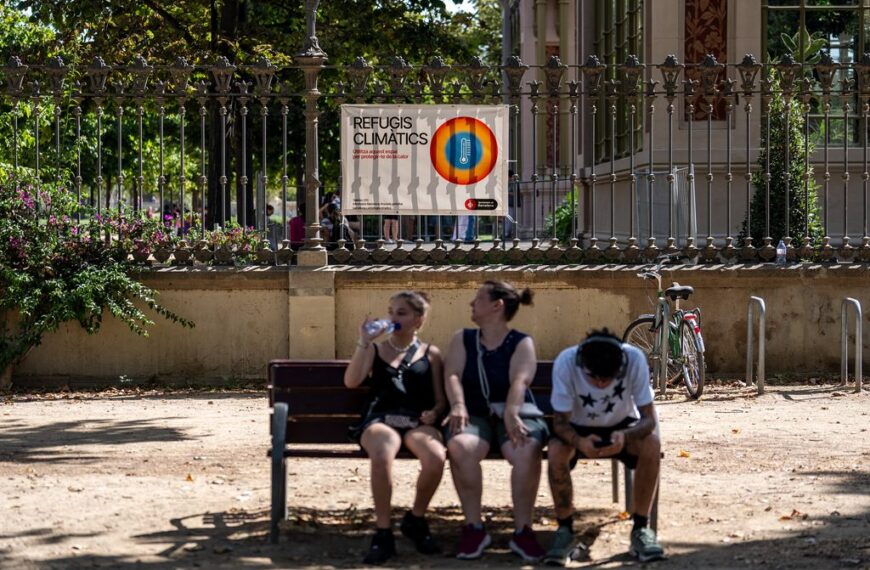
594, 407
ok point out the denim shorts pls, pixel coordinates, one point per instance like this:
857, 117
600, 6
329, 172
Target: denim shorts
492, 430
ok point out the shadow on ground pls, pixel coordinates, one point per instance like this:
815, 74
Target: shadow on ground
676, 394
321, 538
55, 442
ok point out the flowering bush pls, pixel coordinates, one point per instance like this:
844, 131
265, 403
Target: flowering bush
138, 234
243, 242
55, 269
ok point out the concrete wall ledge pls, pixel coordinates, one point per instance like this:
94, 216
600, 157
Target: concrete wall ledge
246, 316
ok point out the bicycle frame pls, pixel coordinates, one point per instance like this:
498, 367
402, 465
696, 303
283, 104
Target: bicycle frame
669, 340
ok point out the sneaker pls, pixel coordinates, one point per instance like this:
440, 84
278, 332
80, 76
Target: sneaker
382, 548
563, 549
644, 545
525, 545
472, 542
417, 529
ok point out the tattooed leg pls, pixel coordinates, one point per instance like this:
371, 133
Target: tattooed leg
559, 473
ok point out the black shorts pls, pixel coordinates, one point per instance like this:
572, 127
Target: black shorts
627, 459
356, 431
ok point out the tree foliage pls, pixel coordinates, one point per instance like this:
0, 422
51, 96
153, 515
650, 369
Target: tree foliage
785, 145
243, 31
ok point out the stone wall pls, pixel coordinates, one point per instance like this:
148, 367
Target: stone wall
246, 317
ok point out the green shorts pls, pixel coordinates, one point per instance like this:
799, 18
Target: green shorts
492, 430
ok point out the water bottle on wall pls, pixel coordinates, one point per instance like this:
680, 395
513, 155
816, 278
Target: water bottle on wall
381, 326
780, 253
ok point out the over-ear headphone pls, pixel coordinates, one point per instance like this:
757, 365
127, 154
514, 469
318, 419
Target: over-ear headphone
602, 339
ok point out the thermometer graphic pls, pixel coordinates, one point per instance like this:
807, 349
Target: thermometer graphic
465, 151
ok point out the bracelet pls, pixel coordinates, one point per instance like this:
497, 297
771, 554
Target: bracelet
362, 345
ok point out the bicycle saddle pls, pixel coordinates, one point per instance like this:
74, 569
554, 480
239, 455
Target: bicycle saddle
677, 291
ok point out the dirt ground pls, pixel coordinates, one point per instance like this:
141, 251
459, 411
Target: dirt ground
151, 479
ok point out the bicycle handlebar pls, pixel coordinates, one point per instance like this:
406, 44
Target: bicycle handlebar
655, 273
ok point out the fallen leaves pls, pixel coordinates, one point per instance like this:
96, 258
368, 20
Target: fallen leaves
189, 478
795, 515
624, 516
735, 430
684, 453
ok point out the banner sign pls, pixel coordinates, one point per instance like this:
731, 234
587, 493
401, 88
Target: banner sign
424, 159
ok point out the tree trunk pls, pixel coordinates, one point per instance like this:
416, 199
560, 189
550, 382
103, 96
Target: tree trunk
244, 195
6, 378
216, 214
224, 24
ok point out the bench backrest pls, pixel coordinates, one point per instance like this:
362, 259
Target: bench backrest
322, 407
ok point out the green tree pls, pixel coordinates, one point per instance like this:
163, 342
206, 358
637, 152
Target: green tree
243, 31
786, 126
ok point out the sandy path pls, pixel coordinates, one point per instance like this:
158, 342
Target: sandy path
179, 480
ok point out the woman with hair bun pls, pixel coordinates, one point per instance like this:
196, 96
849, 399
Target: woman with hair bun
487, 375
407, 403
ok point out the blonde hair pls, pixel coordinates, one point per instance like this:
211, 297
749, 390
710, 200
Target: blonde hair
417, 300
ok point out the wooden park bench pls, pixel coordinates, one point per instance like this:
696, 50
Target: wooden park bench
312, 409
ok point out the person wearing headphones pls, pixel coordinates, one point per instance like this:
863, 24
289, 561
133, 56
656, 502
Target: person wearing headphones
603, 408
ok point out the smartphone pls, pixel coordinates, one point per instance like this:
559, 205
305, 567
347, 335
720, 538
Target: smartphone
602, 443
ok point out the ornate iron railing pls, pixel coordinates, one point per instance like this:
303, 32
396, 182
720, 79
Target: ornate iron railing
685, 137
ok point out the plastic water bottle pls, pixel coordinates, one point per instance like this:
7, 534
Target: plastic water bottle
381, 326
780, 253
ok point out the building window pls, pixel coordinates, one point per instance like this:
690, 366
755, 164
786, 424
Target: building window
840, 26
618, 34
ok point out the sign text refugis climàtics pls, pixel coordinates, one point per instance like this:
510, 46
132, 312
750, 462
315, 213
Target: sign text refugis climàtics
394, 130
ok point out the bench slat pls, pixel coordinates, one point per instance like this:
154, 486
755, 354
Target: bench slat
319, 430
330, 373
344, 401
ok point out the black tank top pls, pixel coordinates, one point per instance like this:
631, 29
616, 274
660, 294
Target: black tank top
419, 392
497, 363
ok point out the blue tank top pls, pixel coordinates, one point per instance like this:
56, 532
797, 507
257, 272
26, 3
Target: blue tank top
497, 364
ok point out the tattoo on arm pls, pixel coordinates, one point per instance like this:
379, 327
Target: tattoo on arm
644, 427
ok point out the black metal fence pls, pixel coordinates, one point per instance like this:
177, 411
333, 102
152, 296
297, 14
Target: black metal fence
716, 161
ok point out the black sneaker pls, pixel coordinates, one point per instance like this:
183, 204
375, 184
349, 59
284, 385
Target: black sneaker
383, 547
417, 529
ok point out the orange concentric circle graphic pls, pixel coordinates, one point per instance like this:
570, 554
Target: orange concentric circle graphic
463, 150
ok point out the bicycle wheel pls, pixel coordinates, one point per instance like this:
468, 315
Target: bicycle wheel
640, 333
692, 360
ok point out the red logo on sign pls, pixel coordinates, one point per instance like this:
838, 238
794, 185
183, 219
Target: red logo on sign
471, 204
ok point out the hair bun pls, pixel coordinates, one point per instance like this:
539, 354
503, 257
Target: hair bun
424, 295
526, 296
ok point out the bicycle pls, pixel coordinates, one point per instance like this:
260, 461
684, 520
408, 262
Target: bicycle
683, 347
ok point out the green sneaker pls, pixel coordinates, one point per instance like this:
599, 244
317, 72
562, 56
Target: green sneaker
564, 549
644, 545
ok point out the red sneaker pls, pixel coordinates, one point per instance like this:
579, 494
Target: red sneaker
472, 542
525, 545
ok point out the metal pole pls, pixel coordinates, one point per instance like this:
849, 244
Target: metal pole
844, 342
664, 348
312, 60
762, 309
